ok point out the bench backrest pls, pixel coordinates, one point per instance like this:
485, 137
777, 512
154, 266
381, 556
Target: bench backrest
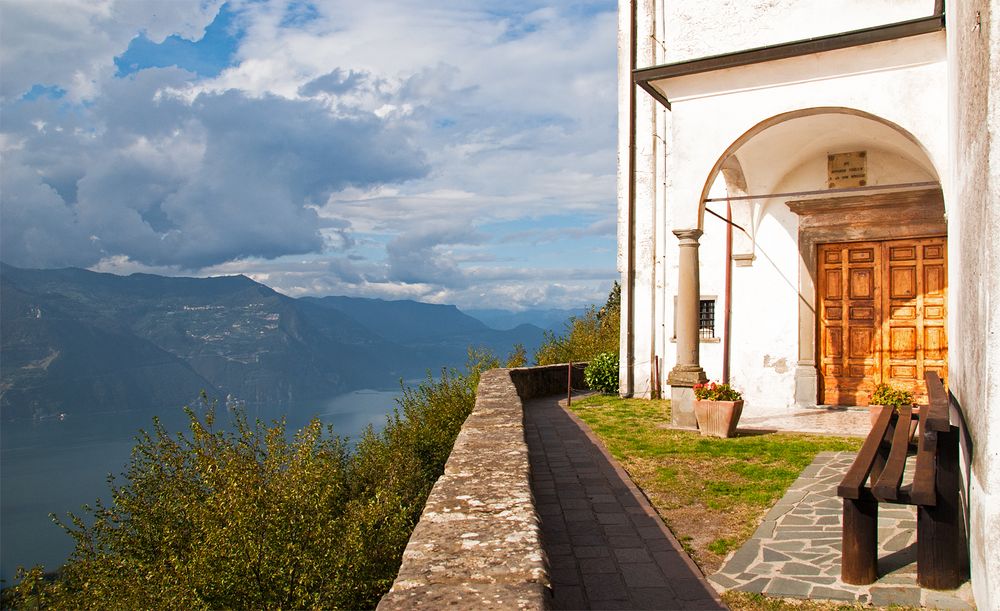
883, 454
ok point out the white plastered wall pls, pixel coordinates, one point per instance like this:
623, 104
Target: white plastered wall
705, 124
700, 29
974, 274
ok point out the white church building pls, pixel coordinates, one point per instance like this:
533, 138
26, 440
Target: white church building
808, 207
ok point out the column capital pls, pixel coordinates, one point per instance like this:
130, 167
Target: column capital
688, 237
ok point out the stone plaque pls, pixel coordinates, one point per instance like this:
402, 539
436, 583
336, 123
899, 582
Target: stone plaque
847, 169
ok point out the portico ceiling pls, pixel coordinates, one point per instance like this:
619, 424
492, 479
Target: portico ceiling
777, 150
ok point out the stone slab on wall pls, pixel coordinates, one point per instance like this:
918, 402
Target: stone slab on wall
478, 542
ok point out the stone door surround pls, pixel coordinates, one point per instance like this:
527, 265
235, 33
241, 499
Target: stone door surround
855, 218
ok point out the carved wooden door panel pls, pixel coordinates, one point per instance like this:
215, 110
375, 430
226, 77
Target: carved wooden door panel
882, 317
915, 312
850, 333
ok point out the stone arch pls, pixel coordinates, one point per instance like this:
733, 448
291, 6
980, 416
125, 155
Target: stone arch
724, 162
769, 158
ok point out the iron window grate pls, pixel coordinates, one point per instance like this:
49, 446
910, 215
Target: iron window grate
706, 318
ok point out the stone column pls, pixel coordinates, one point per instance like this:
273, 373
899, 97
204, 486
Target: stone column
687, 372
806, 374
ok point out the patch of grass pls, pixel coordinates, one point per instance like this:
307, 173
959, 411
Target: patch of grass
712, 493
746, 601
723, 545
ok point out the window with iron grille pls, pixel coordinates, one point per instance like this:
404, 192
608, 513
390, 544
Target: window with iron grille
706, 318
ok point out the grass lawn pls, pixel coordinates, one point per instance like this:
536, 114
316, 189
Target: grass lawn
712, 493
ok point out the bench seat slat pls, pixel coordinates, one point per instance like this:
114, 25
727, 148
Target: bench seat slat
937, 398
923, 491
887, 486
850, 486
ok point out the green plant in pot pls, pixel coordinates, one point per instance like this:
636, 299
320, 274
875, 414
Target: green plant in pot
888, 396
717, 408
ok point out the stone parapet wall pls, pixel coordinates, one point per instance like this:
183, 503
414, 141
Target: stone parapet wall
546, 380
478, 542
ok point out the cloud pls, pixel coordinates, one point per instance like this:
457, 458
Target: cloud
72, 43
402, 149
423, 256
336, 82
166, 182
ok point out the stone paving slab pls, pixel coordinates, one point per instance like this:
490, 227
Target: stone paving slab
827, 420
606, 547
795, 552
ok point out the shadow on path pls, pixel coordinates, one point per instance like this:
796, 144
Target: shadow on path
606, 547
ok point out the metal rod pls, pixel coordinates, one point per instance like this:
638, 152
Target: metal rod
727, 314
629, 284
929, 183
569, 384
717, 215
656, 378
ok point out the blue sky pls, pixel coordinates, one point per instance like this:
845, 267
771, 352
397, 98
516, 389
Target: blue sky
460, 152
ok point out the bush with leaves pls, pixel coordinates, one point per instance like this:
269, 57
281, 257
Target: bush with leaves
601, 373
586, 336
245, 518
884, 394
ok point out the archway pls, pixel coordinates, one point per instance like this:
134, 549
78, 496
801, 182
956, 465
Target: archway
777, 175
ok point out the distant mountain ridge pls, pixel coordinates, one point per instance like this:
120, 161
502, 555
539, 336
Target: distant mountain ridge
551, 319
73, 338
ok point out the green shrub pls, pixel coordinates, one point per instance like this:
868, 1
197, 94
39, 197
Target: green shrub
247, 519
602, 373
893, 397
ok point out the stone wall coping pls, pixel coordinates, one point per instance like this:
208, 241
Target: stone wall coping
478, 542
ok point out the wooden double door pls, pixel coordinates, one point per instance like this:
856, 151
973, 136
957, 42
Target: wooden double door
882, 317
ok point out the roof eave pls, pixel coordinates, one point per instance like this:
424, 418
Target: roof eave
643, 77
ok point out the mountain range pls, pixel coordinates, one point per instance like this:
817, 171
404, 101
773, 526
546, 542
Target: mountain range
73, 341
551, 319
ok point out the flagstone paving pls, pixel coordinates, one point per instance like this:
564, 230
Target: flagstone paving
796, 550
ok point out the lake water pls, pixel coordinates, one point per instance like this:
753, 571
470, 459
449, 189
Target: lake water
59, 465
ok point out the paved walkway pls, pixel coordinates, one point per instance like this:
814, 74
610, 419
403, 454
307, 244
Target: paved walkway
606, 546
823, 419
796, 550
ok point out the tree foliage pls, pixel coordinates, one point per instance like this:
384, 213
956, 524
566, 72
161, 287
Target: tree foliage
244, 517
595, 332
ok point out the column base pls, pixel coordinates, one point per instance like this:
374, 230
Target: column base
686, 375
681, 380
682, 408
806, 384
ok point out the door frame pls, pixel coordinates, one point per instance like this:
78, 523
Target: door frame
916, 213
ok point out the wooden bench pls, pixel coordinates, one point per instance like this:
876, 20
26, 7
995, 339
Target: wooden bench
934, 491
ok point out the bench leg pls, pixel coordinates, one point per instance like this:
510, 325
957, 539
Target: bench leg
859, 553
939, 529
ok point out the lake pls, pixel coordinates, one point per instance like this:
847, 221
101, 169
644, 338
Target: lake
59, 465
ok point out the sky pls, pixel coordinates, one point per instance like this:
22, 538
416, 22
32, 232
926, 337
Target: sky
459, 151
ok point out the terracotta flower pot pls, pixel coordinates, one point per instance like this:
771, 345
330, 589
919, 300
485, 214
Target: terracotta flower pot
717, 418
